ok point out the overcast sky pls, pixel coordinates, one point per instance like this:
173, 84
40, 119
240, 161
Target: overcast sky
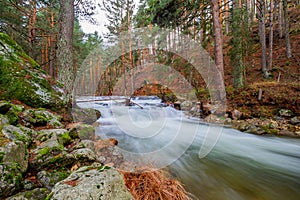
101, 21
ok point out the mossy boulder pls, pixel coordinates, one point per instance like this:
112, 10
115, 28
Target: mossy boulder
21, 78
49, 179
85, 115
61, 136
51, 155
14, 146
3, 120
16, 133
92, 182
83, 131
11, 111
41, 117
10, 179
35, 194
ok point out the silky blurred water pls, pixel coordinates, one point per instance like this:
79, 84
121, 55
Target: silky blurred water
240, 165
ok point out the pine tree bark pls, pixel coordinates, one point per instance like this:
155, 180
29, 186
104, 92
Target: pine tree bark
262, 36
65, 47
280, 19
287, 31
218, 39
271, 36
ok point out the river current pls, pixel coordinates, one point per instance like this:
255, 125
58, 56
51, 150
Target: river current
213, 162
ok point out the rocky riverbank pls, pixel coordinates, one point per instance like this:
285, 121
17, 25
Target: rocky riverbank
50, 151
41, 158
284, 123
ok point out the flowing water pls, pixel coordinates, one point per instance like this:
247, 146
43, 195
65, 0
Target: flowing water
239, 166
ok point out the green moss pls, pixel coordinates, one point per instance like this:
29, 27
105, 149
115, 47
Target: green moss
49, 196
64, 138
28, 194
21, 78
1, 156
22, 138
47, 150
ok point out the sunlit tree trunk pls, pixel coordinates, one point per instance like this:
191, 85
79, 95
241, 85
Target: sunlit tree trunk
218, 39
227, 20
31, 27
65, 47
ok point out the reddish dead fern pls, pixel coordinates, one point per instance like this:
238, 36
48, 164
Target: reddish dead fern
150, 184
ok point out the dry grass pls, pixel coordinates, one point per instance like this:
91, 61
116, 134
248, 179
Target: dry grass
150, 184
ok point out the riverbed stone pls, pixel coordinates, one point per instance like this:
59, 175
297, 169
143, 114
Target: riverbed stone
92, 182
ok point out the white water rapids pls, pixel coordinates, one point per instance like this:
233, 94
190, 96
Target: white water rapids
239, 166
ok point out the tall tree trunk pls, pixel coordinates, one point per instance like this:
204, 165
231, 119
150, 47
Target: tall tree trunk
237, 57
218, 39
52, 47
287, 31
262, 36
271, 36
280, 18
31, 27
227, 20
65, 47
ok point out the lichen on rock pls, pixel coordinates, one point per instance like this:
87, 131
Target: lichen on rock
91, 183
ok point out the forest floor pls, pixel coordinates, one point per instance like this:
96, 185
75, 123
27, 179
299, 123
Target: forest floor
278, 110
281, 89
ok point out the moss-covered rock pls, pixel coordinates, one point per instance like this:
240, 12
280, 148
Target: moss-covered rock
49, 179
15, 152
10, 179
3, 121
35, 194
83, 131
61, 136
51, 155
85, 115
13, 113
21, 78
41, 117
16, 133
90, 183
